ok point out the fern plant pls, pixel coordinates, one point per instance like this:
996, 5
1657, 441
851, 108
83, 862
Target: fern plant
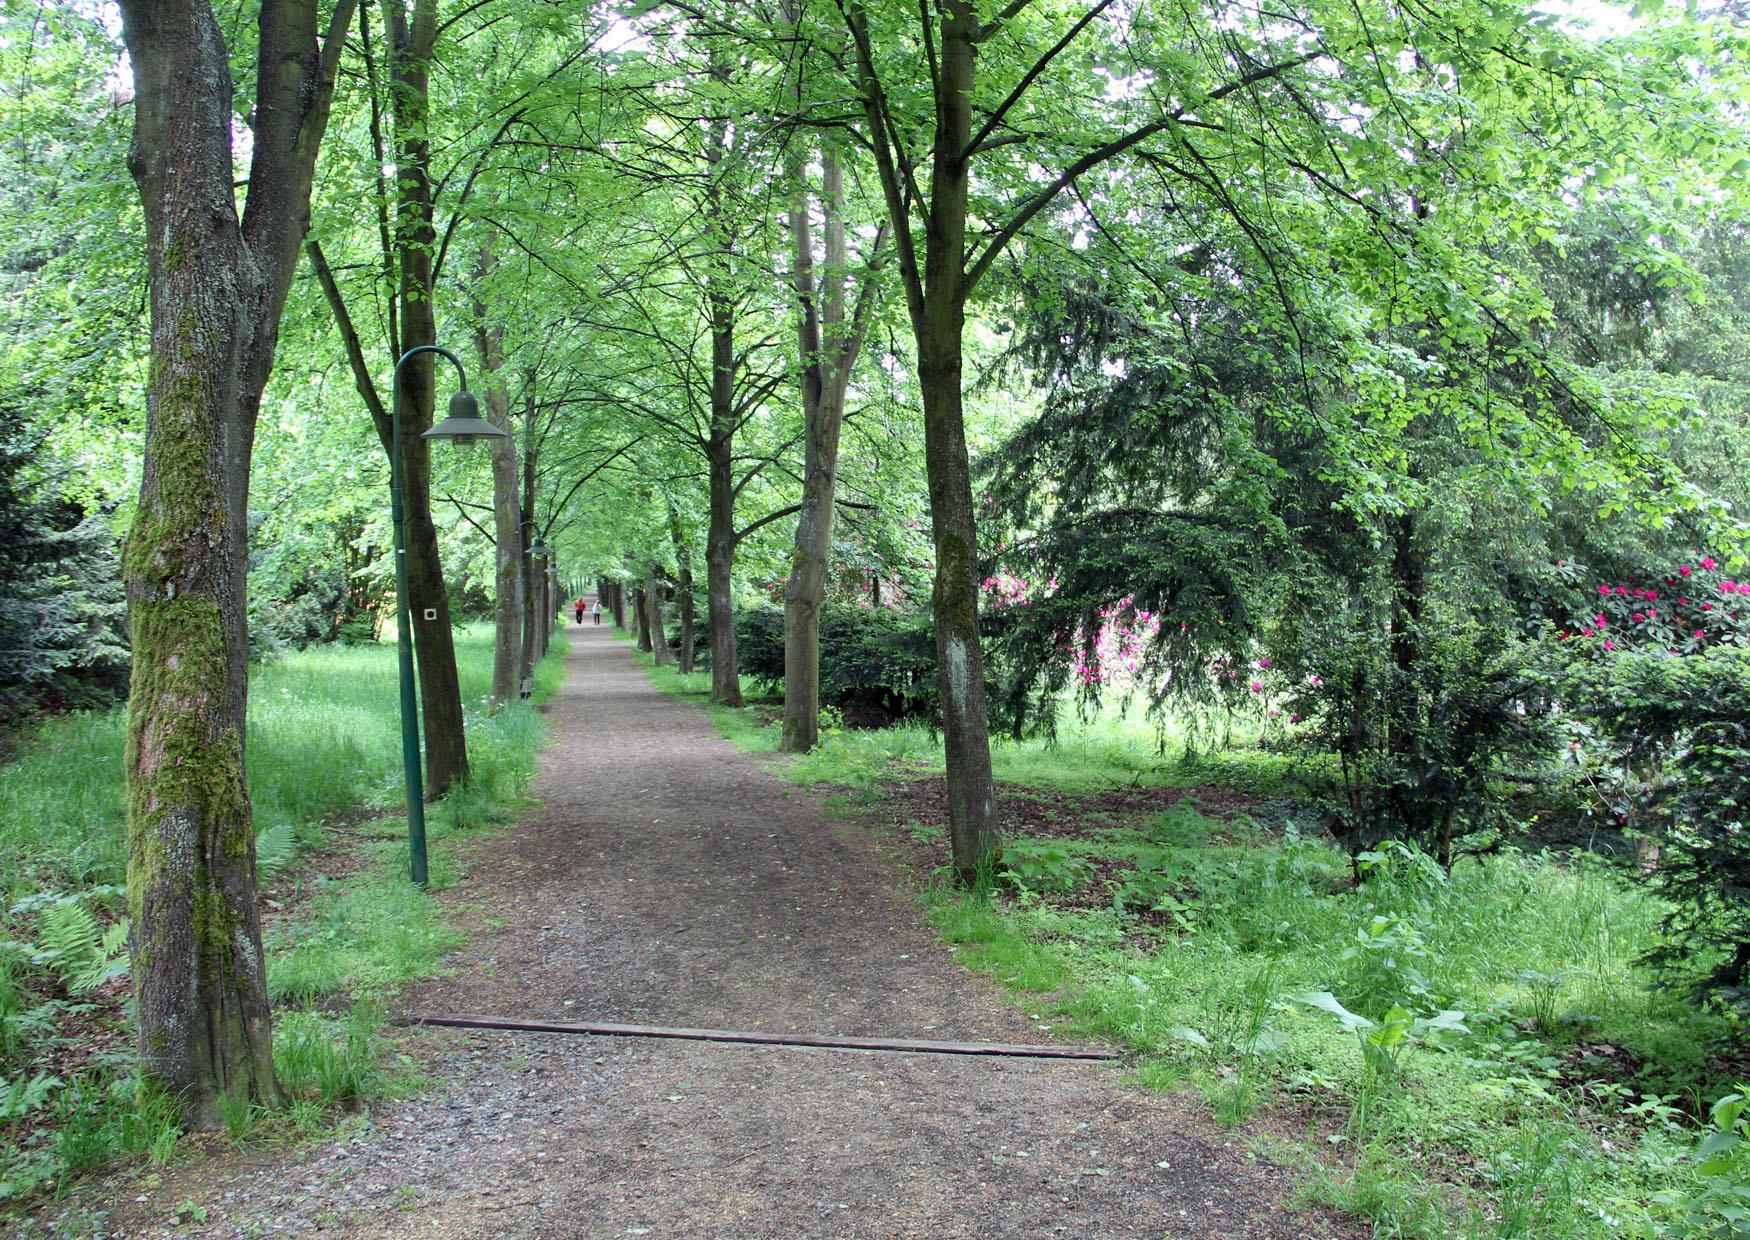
274, 849
20, 1097
79, 950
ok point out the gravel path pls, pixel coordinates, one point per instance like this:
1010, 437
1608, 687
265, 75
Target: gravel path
668, 878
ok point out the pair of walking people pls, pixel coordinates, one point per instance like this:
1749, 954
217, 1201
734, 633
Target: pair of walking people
595, 610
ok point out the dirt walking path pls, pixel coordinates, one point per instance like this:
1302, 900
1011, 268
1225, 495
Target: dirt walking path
668, 878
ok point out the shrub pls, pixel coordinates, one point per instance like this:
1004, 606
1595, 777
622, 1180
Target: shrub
1423, 720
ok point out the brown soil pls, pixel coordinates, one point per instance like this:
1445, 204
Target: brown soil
670, 879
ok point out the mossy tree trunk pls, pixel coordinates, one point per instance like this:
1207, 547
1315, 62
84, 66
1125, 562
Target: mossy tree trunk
217, 286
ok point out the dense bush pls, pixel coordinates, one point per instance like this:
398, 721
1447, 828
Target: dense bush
1424, 721
1672, 735
879, 659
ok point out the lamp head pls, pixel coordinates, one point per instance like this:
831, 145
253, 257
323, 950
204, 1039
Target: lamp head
465, 426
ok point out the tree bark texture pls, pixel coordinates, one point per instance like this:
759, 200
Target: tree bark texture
719, 572
555, 605
217, 285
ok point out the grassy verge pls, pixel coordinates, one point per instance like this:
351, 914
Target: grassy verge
1474, 1054
324, 761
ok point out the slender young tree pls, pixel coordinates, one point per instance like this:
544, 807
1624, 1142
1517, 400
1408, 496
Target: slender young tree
218, 283
507, 604
828, 343
929, 196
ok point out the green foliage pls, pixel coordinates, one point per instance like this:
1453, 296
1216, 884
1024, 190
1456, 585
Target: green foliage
335, 1061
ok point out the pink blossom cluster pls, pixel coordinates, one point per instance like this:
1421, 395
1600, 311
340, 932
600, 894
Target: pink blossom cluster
1674, 614
1114, 655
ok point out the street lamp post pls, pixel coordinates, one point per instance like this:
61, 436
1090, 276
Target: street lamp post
465, 427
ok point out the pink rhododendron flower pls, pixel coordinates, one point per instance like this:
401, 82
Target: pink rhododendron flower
1683, 571
1698, 633
1707, 561
1604, 589
1587, 632
1257, 686
1264, 663
1622, 589
1707, 606
1610, 645
1640, 618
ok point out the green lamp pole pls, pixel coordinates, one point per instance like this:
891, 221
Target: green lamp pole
465, 427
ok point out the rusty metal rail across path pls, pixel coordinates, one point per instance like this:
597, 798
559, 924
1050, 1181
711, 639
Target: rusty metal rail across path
824, 1041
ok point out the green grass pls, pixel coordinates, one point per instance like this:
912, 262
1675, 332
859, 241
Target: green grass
324, 738
1565, 1111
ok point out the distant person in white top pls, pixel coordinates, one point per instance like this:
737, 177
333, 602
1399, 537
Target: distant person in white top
596, 611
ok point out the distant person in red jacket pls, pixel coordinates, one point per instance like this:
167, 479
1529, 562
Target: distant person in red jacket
579, 609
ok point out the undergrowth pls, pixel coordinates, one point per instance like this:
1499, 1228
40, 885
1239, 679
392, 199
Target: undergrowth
324, 748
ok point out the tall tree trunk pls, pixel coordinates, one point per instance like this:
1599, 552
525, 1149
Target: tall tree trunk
719, 572
544, 605
720, 444
828, 347
217, 287
527, 569
937, 302
642, 607
618, 605
555, 601
440, 689
683, 556
653, 600
507, 601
